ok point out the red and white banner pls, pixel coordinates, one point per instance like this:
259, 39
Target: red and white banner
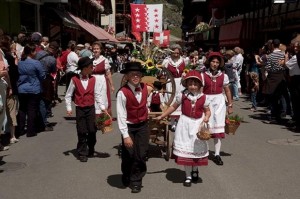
161, 38
146, 17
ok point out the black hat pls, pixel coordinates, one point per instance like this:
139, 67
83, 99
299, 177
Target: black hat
132, 66
157, 84
84, 62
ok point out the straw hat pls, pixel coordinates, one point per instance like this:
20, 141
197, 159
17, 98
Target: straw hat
192, 74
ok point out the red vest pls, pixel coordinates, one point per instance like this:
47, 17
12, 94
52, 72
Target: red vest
213, 87
100, 68
84, 97
155, 98
136, 112
193, 112
174, 71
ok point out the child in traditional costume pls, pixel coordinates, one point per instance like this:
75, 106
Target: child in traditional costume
188, 149
215, 82
133, 123
156, 98
85, 91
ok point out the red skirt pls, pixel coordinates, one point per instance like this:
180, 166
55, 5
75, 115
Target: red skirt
191, 161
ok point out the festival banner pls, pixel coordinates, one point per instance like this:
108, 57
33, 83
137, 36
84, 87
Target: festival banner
146, 17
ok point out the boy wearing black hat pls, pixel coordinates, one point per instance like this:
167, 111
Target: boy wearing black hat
84, 90
132, 120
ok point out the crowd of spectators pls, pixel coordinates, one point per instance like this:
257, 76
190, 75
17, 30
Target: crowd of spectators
32, 67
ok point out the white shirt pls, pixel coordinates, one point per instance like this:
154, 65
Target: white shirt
99, 90
191, 96
72, 60
122, 111
101, 58
19, 49
238, 62
293, 66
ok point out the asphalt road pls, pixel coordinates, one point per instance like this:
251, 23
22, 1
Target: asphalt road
261, 161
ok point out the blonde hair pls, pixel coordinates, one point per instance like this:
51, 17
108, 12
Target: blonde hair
229, 52
282, 47
13, 46
254, 76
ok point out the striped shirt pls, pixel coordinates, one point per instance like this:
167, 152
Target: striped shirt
273, 61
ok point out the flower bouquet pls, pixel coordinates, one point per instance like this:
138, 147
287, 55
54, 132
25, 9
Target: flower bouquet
232, 123
104, 122
202, 27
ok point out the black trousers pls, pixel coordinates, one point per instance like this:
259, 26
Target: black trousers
86, 130
295, 96
28, 111
274, 99
134, 159
155, 108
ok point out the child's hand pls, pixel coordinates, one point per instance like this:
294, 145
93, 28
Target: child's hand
69, 113
128, 142
158, 118
230, 110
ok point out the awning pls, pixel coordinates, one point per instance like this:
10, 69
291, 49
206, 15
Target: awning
230, 34
96, 31
67, 19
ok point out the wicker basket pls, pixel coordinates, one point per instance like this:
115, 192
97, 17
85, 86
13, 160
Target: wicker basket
106, 129
231, 127
204, 133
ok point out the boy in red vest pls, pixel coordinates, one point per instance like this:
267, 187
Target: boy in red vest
132, 120
84, 90
156, 98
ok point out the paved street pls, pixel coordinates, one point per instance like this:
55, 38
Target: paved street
261, 161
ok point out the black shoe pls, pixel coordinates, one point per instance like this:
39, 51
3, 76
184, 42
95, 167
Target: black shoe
31, 134
125, 181
195, 176
48, 128
91, 154
218, 160
83, 158
136, 189
187, 182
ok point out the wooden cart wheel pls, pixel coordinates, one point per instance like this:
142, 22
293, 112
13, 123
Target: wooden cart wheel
169, 143
167, 79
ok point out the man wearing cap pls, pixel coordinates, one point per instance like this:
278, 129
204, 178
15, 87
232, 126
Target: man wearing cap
86, 52
85, 91
132, 120
36, 38
48, 60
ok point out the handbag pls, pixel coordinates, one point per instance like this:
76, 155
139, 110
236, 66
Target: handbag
204, 132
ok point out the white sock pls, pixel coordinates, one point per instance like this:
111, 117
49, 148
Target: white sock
188, 170
195, 168
217, 142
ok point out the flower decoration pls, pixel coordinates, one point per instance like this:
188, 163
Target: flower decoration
202, 27
235, 119
103, 120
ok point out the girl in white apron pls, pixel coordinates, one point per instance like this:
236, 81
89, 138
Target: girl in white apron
215, 81
190, 151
